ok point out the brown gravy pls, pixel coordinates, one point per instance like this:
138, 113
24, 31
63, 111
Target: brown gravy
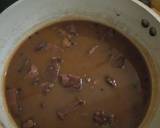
77, 74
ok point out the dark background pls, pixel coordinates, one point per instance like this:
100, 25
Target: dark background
5, 3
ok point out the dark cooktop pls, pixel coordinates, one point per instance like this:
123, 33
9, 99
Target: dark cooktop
5, 3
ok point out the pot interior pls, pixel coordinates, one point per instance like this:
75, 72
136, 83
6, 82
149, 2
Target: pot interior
125, 20
112, 59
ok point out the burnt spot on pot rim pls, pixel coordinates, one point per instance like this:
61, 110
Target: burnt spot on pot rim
152, 31
145, 23
118, 14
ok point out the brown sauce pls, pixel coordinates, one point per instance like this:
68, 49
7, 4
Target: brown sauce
77, 74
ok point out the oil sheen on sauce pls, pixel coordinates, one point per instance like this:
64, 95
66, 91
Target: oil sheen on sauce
77, 74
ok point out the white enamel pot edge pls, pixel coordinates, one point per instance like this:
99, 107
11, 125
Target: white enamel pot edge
27, 16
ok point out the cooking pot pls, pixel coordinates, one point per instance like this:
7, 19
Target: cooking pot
27, 16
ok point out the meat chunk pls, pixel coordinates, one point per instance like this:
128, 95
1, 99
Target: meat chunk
102, 119
93, 49
90, 81
24, 65
29, 124
62, 32
33, 72
71, 81
111, 81
36, 81
46, 87
61, 114
66, 43
12, 98
40, 46
71, 29
68, 36
53, 69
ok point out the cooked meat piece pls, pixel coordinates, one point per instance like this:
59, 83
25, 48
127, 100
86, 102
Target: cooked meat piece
111, 81
53, 69
93, 49
62, 32
68, 36
29, 124
71, 29
36, 81
101, 118
111, 119
66, 43
12, 98
46, 87
24, 65
88, 79
61, 114
33, 72
40, 46
71, 81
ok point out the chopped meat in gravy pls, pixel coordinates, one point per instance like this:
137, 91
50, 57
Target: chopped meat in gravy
77, 74
71, 81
